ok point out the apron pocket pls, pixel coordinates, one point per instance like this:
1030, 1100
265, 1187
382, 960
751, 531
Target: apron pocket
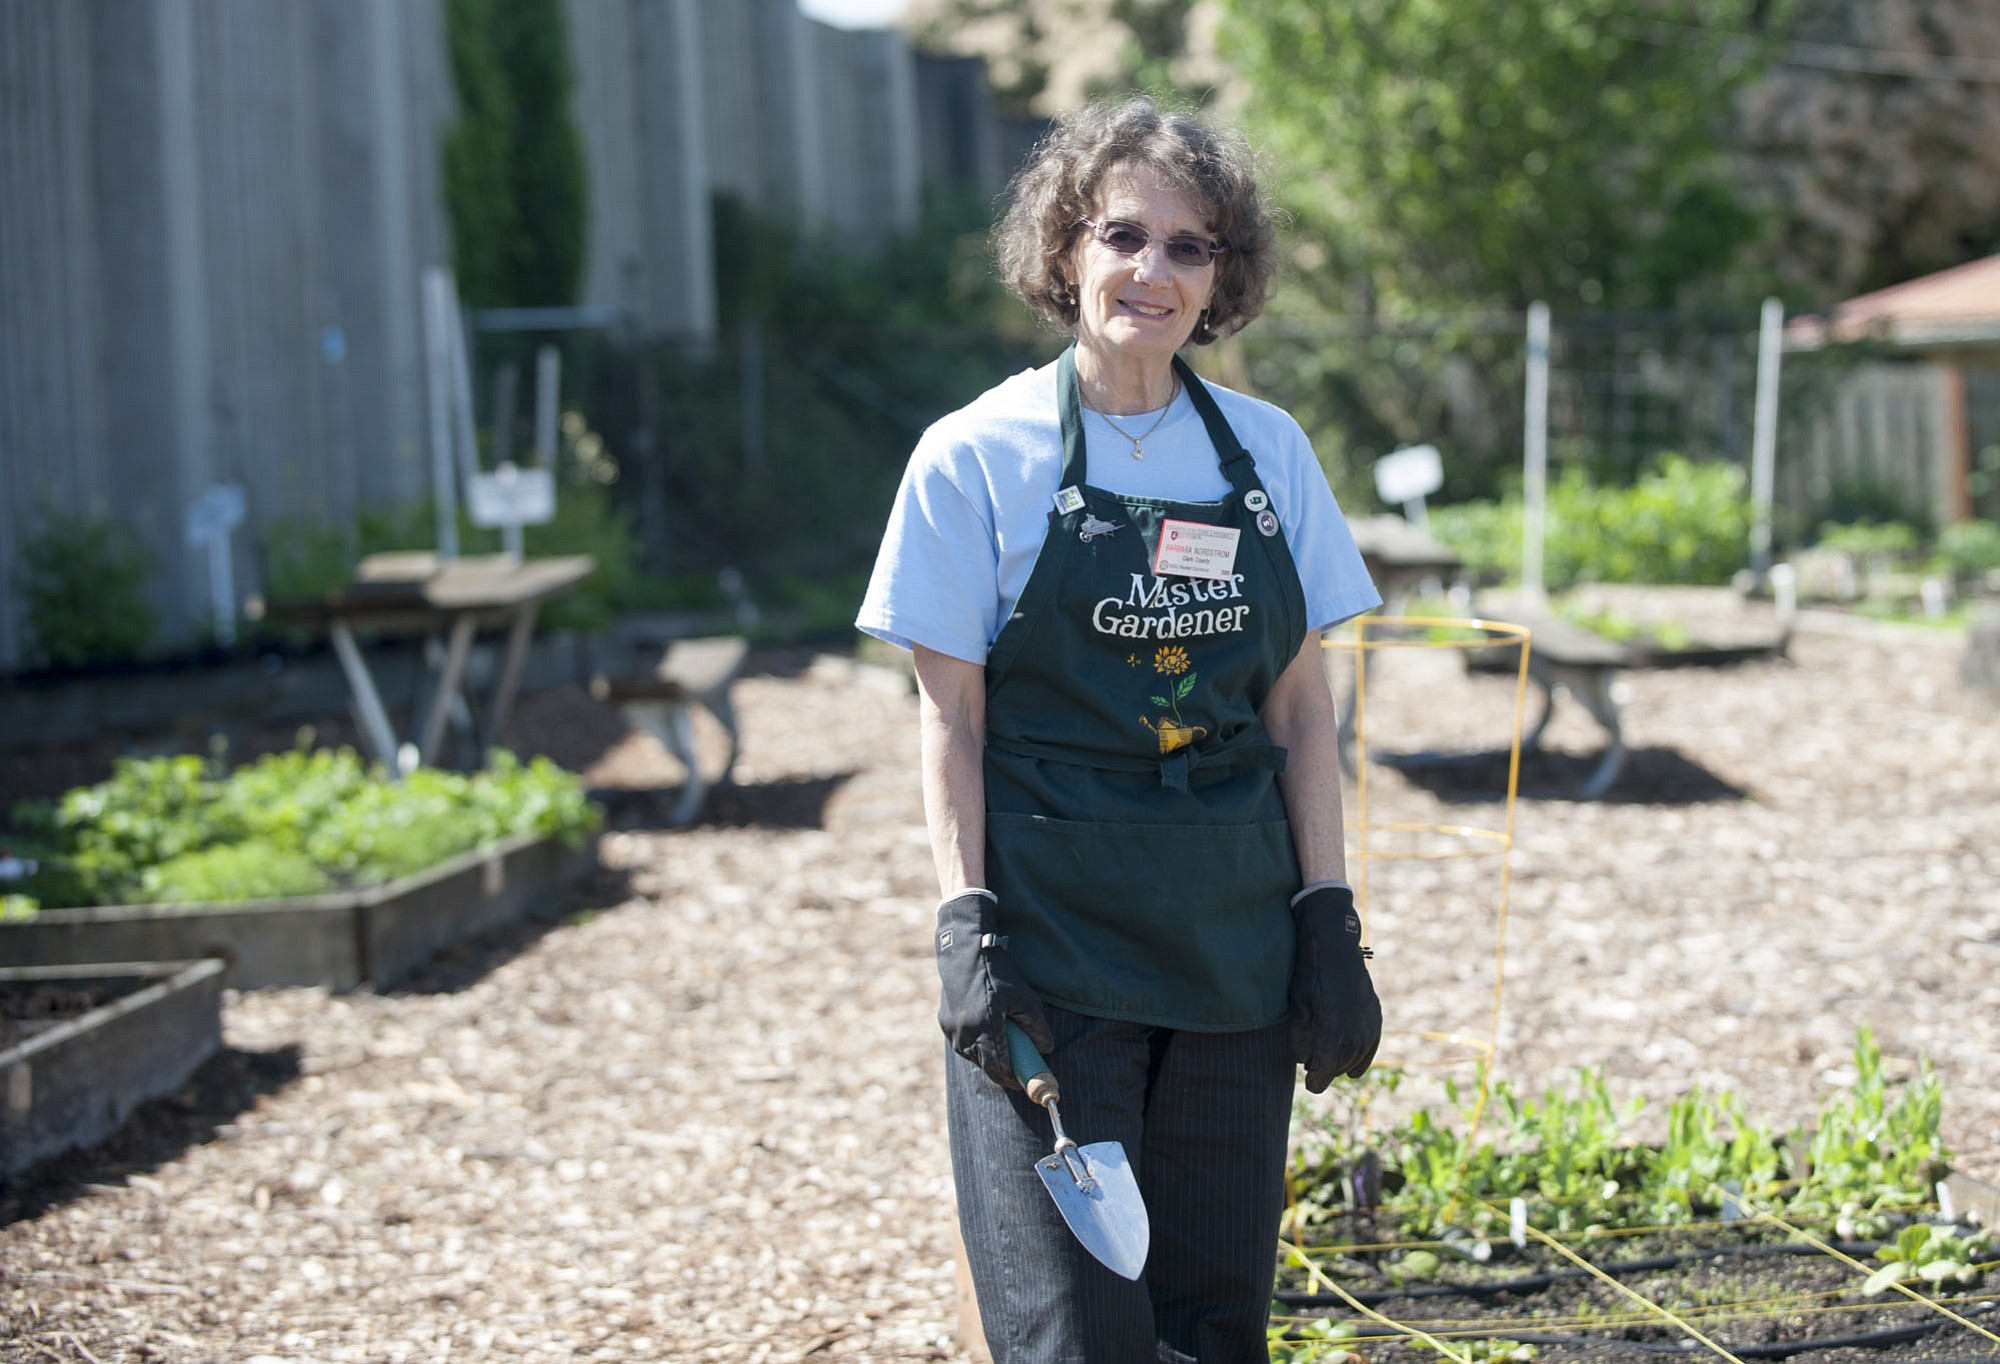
1183, 925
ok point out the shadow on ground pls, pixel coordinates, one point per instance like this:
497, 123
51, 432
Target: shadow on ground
791, 803
1649, 776
227, 1085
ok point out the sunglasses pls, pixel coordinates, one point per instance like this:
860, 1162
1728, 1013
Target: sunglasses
1129, 239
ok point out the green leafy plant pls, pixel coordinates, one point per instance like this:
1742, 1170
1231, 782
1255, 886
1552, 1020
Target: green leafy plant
1870, 1161
1875, 1152
1319, 1341
293, 823
82, 586
1936, 1255
257, 870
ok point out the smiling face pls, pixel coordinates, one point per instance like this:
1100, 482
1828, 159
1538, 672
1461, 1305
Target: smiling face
1138, 309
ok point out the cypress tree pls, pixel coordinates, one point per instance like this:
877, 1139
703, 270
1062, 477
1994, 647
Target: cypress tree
513, 161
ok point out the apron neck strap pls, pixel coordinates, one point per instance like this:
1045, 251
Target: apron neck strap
1237, 465
1069, 403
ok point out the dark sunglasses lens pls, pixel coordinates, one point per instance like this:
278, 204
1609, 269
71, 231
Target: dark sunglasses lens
1123, 238
1187, 251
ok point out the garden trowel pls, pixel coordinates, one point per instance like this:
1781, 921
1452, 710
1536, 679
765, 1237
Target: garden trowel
1092, 1185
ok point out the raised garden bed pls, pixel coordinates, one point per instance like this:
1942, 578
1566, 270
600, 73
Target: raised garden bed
1745, 1290
1555, 1237
82, 1046
374, 936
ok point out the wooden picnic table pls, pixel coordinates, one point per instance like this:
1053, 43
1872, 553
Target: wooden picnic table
1401, 557
406, 594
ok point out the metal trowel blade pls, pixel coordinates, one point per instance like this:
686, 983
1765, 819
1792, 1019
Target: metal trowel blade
1109, 1217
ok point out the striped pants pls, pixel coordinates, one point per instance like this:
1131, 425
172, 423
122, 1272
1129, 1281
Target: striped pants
1203, 1118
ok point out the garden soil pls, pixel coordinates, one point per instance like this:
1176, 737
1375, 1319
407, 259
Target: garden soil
695, 1115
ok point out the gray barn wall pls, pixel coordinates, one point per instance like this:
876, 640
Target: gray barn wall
640, 108
214, 215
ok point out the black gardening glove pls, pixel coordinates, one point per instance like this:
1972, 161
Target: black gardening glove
982, 987
1336, 1019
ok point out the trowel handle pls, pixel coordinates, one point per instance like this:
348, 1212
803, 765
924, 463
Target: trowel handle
1029, 1067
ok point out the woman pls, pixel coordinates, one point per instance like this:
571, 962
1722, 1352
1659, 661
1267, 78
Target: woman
1128, 744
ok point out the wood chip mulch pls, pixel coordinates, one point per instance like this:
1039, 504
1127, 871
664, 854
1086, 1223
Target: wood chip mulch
695, 1115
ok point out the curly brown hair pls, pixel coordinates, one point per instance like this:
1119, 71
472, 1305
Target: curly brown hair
1213, 167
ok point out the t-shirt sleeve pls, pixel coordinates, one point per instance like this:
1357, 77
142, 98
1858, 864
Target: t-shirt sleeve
1336, 582
936, 576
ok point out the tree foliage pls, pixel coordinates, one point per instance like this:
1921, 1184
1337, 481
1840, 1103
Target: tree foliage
1877, 139
1447, 151
513, 162
1045, 56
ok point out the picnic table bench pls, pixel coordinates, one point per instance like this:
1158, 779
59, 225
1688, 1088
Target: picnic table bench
1566, 658
657, 686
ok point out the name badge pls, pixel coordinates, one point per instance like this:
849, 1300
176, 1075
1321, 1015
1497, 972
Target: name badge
1195, 549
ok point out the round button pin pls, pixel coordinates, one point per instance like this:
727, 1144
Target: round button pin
1255, 500
1267, 523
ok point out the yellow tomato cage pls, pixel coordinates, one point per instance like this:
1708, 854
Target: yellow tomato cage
1389, 841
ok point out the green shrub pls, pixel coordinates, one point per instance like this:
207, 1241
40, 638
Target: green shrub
1886, 542
588, 522
1970, 549
82, 585
1685, 523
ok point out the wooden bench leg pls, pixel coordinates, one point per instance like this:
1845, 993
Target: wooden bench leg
1532, 741
669, 722
1592, 688
718, 705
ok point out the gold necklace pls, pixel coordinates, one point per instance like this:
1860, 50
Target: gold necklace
1138, 453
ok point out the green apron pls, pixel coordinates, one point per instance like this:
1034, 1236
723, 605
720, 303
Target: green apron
1135, 834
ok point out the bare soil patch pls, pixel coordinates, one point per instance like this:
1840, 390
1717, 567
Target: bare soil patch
1750, 1291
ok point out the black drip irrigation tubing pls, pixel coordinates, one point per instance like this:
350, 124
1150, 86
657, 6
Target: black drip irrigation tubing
1532, 1283
1781, 1349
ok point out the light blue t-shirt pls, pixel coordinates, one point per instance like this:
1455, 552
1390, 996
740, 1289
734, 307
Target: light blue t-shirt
973, 508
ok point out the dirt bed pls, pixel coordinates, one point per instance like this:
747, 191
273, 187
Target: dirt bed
1751, 1292
696, 1116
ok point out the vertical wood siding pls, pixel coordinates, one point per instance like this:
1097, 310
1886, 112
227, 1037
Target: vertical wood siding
214, 215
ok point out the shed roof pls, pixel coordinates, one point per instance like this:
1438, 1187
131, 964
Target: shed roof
1958, 306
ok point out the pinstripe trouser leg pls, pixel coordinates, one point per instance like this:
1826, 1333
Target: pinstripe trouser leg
1203, 1119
